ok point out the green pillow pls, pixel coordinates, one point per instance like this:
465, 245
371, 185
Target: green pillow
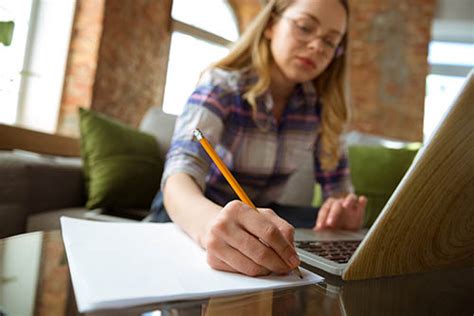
121, 165
376, 172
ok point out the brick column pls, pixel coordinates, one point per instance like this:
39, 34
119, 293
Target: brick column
245, 11
81, 65
133, 57
388, 65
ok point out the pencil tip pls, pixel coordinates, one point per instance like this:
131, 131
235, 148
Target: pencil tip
298, 273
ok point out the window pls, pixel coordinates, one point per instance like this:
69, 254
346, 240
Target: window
198, 39
12, 56
451, 53
31, 85
450, 63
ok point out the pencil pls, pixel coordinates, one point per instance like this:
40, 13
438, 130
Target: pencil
229, 177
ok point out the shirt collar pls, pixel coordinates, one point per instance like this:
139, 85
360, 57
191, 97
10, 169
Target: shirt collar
304, 93
309, 93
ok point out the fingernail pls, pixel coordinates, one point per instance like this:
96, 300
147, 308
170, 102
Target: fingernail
330, 220
294, 260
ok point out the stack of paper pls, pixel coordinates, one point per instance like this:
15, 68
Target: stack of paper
115, 265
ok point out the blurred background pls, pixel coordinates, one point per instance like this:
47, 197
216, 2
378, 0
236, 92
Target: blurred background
130, 59
407, 59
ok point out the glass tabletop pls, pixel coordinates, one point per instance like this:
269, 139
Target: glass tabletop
34, 280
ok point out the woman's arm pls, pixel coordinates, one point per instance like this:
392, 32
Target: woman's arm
236, 237
342, 209
188, 207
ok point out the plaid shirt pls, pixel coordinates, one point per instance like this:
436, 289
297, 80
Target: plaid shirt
261, 153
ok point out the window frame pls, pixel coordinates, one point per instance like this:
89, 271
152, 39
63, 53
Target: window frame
191, 30
179, 26
29, 109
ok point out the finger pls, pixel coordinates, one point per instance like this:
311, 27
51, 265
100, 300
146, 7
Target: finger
217, 248
361, 204
335, 214
218, 264
323, 213
350, 201
262, 228
286, 228
355, 217
253, 248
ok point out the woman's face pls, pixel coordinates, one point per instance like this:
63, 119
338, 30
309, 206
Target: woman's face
304, 38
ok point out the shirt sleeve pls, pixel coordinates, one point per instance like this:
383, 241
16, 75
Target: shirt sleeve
335, 182
206, 109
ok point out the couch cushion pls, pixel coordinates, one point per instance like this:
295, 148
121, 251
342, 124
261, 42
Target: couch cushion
161, 126
376, 172
122, 165
51, 220
32, 183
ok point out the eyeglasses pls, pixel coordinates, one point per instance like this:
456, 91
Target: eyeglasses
308, 31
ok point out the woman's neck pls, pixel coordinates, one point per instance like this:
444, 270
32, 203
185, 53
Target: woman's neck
280, 86
280, 89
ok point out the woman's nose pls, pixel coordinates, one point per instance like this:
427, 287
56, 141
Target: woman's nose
317, 44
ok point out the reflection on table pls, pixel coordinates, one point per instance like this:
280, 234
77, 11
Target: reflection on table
35, 281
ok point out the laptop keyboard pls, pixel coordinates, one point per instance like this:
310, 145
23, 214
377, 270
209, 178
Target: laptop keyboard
339, 251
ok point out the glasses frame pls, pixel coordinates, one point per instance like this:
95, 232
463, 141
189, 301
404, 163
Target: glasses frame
333, 52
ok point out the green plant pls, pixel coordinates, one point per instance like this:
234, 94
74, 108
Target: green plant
6, 32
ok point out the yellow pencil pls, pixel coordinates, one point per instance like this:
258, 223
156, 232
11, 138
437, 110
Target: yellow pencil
228, 176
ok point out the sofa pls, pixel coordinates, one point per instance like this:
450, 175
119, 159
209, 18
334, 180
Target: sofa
37, 189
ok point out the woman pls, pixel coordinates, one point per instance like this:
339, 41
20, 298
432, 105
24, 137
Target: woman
278, 93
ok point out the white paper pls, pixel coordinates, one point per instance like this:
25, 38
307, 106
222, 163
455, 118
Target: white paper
115, 265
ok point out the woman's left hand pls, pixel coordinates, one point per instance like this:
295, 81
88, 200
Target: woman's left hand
345, 213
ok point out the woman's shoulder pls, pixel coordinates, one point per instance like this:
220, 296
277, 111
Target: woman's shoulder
225, 79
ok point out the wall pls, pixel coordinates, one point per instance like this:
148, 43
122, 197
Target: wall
388, 66
244, 11
387, 62
132, 58
117, 60
82, 64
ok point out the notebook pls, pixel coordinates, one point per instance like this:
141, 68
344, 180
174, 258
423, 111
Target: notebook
118, 265
428, 222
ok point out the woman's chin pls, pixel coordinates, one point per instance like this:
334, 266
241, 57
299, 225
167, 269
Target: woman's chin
302, 74
300, 77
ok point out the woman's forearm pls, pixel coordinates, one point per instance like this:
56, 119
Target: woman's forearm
188, 207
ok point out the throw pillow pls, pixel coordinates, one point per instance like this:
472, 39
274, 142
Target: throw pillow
121, 164
376, 172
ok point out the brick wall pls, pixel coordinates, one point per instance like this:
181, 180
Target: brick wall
244, 11
388, 65
132, 58
81, 65
387, 61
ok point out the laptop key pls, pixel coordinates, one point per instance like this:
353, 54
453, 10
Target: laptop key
338, 251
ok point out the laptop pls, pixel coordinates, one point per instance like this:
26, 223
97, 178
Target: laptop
428, 222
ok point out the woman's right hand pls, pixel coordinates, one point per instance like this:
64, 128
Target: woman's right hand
253, 243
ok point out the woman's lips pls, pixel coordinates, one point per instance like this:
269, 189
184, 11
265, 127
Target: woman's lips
307, 62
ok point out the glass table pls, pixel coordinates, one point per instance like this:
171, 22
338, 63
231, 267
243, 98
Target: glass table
34, 280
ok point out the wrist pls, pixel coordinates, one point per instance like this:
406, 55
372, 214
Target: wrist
204, 230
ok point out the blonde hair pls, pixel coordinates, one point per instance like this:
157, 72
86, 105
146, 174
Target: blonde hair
252, 51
